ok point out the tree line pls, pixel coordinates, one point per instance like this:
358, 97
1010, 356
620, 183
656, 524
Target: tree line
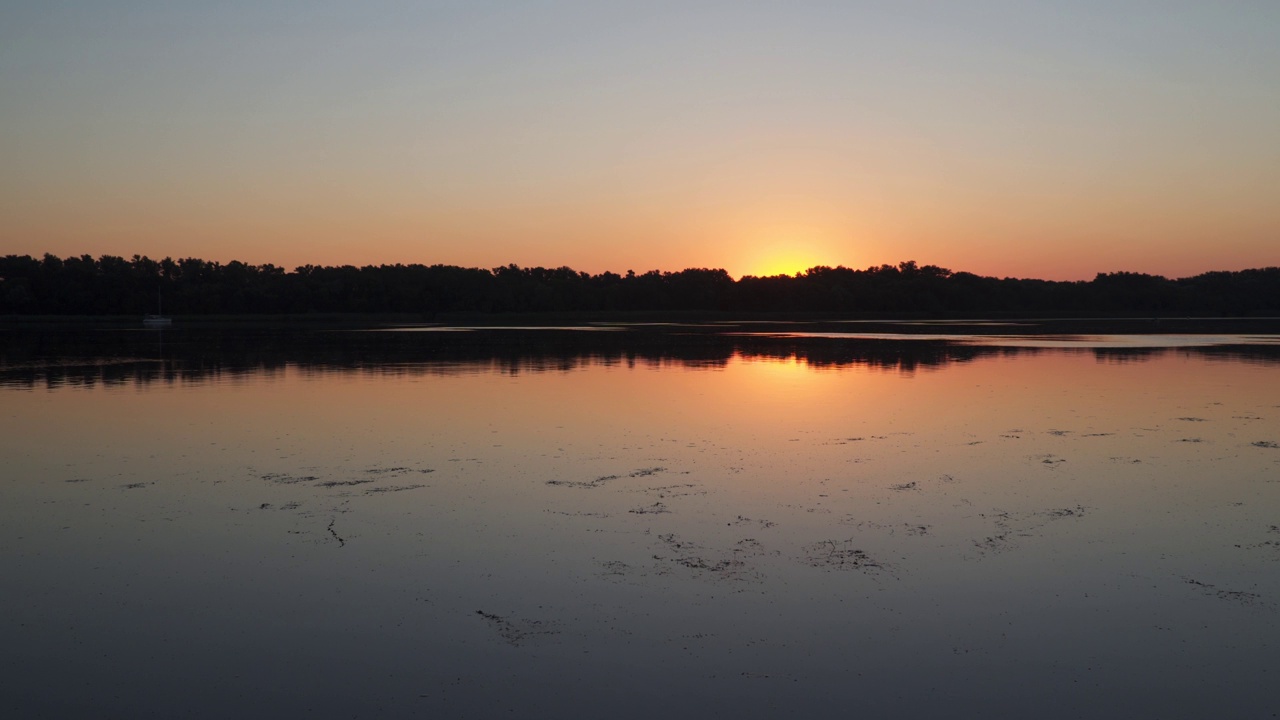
110, 285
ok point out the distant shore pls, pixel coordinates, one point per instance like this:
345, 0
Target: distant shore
693, 322
510, 294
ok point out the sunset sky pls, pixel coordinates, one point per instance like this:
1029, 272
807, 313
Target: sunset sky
1015, 138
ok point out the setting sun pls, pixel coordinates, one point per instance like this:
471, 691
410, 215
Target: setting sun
786, 260
773, 242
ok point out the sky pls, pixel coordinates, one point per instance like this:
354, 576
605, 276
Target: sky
1009, 138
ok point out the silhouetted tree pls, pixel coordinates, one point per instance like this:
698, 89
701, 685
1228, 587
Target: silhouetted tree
114, 285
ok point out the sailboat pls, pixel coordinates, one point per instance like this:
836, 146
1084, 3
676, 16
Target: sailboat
157, 320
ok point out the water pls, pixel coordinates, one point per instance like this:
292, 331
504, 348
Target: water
674, 521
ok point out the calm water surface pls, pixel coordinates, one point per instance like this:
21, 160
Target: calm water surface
623, 524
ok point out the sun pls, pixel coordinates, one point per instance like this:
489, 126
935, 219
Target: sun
777, 248
783, 260
784, 267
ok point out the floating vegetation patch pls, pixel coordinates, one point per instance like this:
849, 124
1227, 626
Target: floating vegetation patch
1273, 545
1010, 526
580, 513
907, 528
731, 564
584, 484
764, 524
674, 491
342, 542
287, 479
392, 488
840, 555
397, 471
997, 543
1077, 511
516, 631
587, 484
342, 483
1244, 598
615, 568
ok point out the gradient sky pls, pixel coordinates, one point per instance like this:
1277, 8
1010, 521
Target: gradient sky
1014, 138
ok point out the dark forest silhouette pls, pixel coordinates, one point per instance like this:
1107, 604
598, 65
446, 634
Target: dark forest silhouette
111, 285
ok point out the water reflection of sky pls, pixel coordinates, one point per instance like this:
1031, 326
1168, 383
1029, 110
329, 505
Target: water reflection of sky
641, 532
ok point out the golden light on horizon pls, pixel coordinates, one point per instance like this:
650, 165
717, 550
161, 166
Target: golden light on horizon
759, 140
787, 259
788, 268
789, 249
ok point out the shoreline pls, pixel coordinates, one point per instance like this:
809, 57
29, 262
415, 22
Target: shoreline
700, 323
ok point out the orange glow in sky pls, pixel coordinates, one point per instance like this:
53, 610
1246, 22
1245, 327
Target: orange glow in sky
1052, 140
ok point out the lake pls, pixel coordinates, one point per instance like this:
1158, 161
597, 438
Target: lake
630, 521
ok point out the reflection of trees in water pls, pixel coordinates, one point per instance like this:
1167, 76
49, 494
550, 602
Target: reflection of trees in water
904, 356
1252, 354
113, 357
